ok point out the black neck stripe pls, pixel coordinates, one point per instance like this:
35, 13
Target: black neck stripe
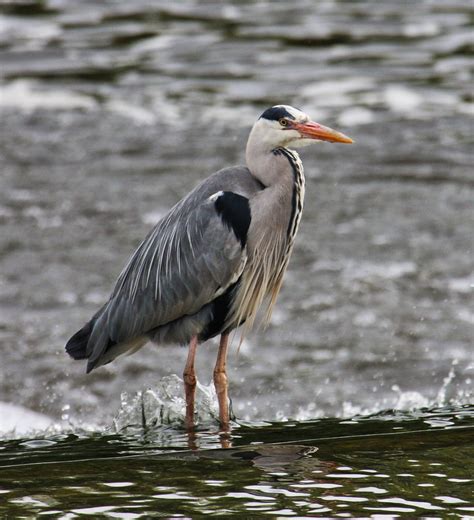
296, 202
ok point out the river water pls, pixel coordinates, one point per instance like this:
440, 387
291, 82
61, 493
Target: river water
112, 111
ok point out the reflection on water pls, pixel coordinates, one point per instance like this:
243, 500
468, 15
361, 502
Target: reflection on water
360, 468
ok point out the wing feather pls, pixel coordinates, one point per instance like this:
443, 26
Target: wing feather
187, 258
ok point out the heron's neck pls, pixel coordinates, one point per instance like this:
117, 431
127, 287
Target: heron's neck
270, 165
280, 170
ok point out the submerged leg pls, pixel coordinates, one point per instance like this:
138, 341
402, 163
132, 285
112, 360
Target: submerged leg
220, 381
189, 377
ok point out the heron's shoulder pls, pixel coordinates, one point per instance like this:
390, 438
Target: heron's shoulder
235, 179
234, 210
238, 185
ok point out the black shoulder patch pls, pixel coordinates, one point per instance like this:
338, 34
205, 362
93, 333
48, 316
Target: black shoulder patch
234, 211
276, 113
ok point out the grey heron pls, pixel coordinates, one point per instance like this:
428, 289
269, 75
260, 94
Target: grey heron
215, 259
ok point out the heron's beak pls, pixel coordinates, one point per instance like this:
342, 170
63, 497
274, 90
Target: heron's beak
312, 130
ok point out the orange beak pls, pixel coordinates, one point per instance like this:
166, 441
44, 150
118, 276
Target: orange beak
312, 130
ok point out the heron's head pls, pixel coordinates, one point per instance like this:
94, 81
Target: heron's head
287, 126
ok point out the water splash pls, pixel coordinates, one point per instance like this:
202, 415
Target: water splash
164, 405
410, 400
406, 403
441, 397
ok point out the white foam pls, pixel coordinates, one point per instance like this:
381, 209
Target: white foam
33, 35
323, 89
369, 271
356, 116
133, 112
19, 420
464, 285
424, 28
22, 94
401, 99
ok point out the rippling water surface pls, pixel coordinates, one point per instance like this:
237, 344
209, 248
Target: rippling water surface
389, 464
111, 111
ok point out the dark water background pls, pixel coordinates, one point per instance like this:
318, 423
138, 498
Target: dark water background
111, 111
412, 467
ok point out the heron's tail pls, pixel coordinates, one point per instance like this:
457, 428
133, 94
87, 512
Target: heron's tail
76, 347
93, 343
89, 343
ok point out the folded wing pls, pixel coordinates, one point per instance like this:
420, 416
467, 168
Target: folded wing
188, 259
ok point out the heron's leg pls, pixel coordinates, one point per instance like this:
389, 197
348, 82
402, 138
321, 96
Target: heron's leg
220, 381
189, 377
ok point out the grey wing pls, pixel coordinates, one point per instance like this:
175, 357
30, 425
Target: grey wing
188, 259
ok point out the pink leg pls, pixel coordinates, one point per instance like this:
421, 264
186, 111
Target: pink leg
189, 377
220, 381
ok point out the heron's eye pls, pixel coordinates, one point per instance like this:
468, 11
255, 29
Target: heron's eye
283, 122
